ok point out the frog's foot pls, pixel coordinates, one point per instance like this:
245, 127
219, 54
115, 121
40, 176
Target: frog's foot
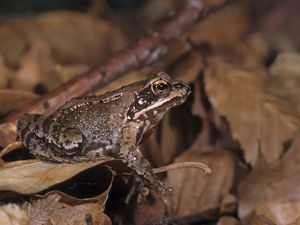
154, 183
144, 178
142, 188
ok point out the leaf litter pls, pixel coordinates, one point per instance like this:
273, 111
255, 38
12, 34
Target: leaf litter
244, 74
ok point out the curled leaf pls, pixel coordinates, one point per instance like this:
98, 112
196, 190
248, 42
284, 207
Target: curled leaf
32, 176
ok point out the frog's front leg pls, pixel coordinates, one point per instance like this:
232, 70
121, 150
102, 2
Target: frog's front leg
136, 161
133, 157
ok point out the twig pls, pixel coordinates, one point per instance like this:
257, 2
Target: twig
144, 51
205, 168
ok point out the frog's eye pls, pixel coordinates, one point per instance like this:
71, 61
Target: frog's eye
160, 87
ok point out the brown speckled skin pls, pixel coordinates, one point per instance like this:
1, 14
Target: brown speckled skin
114, 124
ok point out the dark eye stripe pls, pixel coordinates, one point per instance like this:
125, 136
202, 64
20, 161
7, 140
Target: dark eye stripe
142, 100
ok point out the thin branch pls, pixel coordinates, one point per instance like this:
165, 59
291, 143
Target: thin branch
197, 165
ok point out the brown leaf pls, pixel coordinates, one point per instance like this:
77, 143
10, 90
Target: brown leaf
34, 64
13, 99
193, 192
296, 222
257, 119
271, 183
280, 212
228, 220
285, 77
81, 39
224, 28
32, 176
149, 213
5, 73
189, 67
7, 133
261, 220
57, 208
12, 214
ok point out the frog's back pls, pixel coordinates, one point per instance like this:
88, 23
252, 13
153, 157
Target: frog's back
99, 119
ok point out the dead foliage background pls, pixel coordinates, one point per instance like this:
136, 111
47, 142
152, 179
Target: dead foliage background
242, 118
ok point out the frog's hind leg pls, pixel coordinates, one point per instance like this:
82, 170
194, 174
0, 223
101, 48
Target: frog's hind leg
49, 140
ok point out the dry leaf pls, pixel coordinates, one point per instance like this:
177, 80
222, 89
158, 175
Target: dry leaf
13, 99
5, 73
32, 176
257, 119
268, 183
12, 214
66, 72
82, 202
253, 51
194, 192
222, 29
101, 38
280, 212
146, 213
296, 222
7, 133
57, 208
285, 77
189, 67
228, 220
34, 65
261, 220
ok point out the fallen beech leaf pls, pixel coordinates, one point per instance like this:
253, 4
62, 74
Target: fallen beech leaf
12, 214
261, 220
285, 77
228, 220
194, 192
224, 28
32, 176
5, 72
13, 99
189, 67
146, 213
7, 133
253, 51
35, 64
280, 212
296, 222
64, 73
257, 119
56, 208
268, 183
101, 38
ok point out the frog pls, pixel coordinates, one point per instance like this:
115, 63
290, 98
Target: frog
114, 124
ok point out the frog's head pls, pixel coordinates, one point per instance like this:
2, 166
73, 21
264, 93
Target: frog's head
155, 97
